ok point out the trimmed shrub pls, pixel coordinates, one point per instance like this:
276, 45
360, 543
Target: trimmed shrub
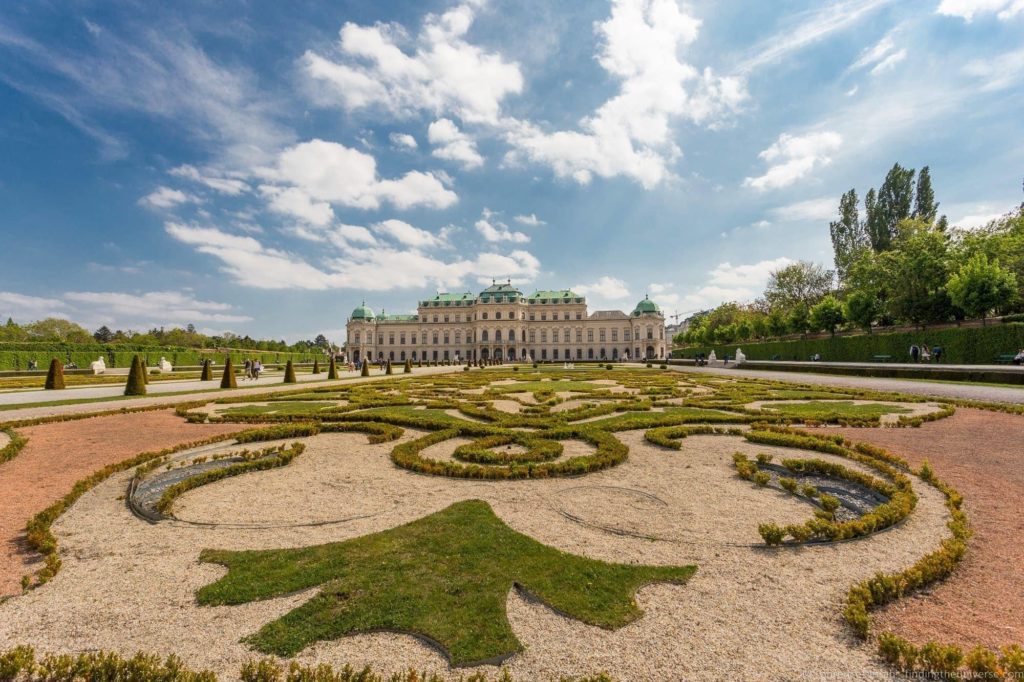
227, 380
762, 478
365, 372
408, 367
316, 365
771, 533
145, 371
55, 376
332, 369
387, 368
136, 379
289, 373
207, 373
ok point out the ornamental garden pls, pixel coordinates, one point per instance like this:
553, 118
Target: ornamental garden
513, 522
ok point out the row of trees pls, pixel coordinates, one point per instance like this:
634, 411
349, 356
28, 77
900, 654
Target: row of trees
901, 263
58, 330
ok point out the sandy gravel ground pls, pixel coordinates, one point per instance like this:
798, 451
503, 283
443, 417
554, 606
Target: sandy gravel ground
4, 439
913, 409
58, 455
748, 613
981, 455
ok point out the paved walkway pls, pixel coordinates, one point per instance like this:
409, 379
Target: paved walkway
203, 389
912, 386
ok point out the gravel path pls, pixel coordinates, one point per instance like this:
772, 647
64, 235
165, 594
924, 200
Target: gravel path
748, 613
1002, 394
980, 454
58, 455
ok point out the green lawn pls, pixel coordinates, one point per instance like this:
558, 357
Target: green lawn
554, 385
446, 577
840, 408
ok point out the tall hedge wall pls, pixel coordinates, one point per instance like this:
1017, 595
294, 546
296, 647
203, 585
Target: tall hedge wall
965, 346
15, 356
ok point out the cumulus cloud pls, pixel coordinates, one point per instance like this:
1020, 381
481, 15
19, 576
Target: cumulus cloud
493, 230
26, 308
292, 201
452, 144
664, 294
166, 198
968, 9
631, 133
224, 185
409, 235
385, 267
529, 220
605, 288
793, 157
809, 210
403, 141
329, 172
728, 282
440, 72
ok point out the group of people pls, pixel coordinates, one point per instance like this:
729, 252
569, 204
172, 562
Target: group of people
252, 369
923, 354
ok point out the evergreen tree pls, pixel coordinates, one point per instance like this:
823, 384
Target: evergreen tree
55, 376
365, 372
207, 374
289, 373
848, 234
925, 206
332, 369
103, 334
894, 202
227, 380
136, 378
316, 366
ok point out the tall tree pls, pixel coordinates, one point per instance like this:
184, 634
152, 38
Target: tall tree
917, 269
103, 334
893, 204
980, 286
802, 283
925, 206
849, 236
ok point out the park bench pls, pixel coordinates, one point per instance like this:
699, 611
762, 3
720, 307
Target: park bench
1004, 359
881, 358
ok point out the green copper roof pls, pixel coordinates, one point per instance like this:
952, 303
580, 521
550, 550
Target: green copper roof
397, 318
446, 299
555, 294
646, 306
363, 312
502, 288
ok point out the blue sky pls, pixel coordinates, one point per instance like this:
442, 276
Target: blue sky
263, 167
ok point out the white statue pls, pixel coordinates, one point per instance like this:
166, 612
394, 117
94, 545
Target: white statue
740, 356
711, 356
164, 365
100, 366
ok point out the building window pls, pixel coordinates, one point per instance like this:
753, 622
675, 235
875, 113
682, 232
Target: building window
402, 356
532, 317
544, 354
446, 355
435, 338
625, 334
380, 339
554, 336
579, 316
543, 336
590, 353
357, 337
458, 337
497, 315
579, 336
435, 318
391, 356
555, 354
483, 335
543, 316
590, 335
497, 335
483, 316
401, 340
445, 318
601, 334
435, 355
446, 338
650, 332
413, 338
615, 335
579, 353
414, 356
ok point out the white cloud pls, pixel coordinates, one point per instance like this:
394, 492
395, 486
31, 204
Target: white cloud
793, 157
408, 235
974, 214
166, 198
727, 282
882, 56
664, 294
808, 28
295, 202
529, 220
172, 307
967, 9
606, 288
26, 308
333, 173
999, 72
452, 144
354, 234
224, 185
631, 133
443, 74
494, 230
403, 141
809, 210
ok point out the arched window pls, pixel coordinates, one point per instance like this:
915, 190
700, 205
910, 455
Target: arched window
497, 335
483, 335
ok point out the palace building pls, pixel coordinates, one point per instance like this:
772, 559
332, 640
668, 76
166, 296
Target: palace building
502, 322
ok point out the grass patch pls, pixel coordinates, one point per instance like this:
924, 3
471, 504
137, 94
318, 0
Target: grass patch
445, 577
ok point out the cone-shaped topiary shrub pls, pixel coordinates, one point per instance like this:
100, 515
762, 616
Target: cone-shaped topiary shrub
136, 378
289, 373
228, 378
207, 374
387, 369
55, 377
408, 367
366, 369
145, 371
316, 366
332, 369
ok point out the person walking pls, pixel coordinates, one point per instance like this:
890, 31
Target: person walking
915, 352
926, 355
257, 367
247, 369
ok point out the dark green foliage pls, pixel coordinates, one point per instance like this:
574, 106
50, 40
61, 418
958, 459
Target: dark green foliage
408, 367
227, 380
332, 369
925, 206
365, 371
207, 373
289, 373
893, 204
13, 447
445, 576
980, 287
55, 376
849, 237
316, 365
771, 533
387, 368
136, 384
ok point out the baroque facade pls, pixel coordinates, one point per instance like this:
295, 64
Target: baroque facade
501, 322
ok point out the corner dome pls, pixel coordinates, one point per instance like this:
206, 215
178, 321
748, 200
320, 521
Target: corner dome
363, 312
646, 306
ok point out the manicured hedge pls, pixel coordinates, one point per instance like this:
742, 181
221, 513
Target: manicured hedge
965, 345
14, 356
